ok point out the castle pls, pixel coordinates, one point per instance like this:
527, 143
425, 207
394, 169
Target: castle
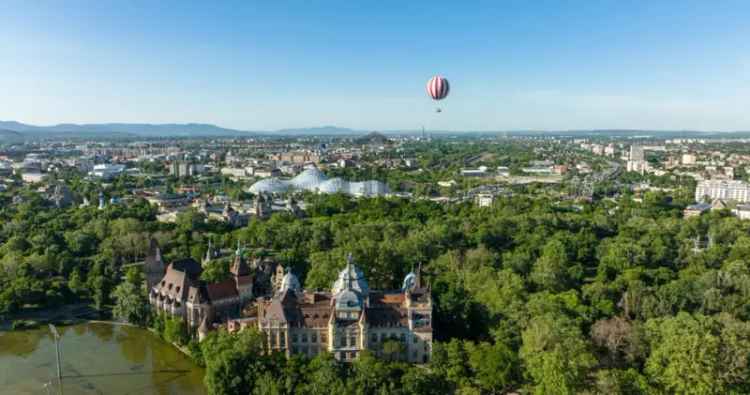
180, 291
347, 320
344, 321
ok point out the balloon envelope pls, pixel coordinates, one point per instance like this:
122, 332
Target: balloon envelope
438, 87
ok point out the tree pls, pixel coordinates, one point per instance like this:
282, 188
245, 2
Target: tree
552, 270
493, 366
697, 354
393, 350
555, 355
130, 304
449, 360
235, 362
371, 376
175, 330
620, 337
418, 381
622, 382
325, 376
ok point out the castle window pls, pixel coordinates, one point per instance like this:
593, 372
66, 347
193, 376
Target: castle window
352, 341
304, 338
323, 337
282, 338
374, 338
314, 338
342, 341
178, 289
403, 338
415, 340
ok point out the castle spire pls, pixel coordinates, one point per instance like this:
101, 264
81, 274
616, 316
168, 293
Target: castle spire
418, 281
239, 266
209, 252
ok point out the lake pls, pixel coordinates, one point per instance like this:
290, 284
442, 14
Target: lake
97, 358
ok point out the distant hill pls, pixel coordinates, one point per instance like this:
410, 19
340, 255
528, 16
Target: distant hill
373, 138
121, 129
9, 135
161, 130
320, 131
17, 130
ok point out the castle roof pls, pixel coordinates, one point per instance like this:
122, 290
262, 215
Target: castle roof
351, 278
153, 262
240, 267
221, 290
290, 282
188, 266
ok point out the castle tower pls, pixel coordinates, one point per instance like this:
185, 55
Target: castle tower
154, 267
242, 276
261, 206
203, 329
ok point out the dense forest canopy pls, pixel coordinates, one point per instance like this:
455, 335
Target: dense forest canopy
616, 297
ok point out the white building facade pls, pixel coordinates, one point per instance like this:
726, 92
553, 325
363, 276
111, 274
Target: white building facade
738, 191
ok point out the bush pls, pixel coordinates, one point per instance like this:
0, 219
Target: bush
24, 324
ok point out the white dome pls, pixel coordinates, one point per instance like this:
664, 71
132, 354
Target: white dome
410, 281
334, 185
290, 282
351, 278
314, 180
309, 179
348, 300
368, 188
269, 185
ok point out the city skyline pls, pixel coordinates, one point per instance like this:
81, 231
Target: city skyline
512, 66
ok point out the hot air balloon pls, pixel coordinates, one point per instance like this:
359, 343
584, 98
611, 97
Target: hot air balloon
438, 88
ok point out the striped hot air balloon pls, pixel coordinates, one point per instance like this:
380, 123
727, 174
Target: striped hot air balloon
438, 87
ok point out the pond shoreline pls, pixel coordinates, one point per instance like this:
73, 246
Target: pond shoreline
98, 357
69, 314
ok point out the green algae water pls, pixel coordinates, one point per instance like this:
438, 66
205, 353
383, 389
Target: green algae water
96, 359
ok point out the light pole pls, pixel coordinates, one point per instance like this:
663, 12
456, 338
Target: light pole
56, 335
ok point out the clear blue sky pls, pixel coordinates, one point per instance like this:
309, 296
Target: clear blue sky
363, 64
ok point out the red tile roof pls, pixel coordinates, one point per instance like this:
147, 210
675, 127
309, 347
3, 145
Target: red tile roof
223, 290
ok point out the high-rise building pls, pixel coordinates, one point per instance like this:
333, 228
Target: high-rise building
735, 190
637, 161
182, 169
688, 159
636, 153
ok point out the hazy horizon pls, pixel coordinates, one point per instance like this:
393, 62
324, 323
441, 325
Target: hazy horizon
512, 65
